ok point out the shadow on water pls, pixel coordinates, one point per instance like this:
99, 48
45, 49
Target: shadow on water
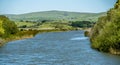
55, 48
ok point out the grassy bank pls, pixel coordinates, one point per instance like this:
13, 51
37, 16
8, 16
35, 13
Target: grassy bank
28, 34
18, 36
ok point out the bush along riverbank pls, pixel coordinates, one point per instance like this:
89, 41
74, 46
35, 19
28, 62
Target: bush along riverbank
9, 31
7, 28
105, 35
26, 34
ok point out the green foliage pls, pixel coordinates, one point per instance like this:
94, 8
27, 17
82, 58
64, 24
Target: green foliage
106, 32
117, 5
82, 24
1, 28
86, 33
108, 37
7, 27
2, 19
10, 27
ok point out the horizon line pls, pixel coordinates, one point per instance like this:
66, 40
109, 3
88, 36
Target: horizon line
49, 11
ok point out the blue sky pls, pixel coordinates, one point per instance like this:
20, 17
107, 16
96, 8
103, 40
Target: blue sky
26, 6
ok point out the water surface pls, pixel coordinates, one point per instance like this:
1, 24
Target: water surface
56, 48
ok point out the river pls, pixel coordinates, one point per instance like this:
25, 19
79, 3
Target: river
55, 48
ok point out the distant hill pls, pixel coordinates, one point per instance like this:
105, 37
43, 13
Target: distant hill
56, 15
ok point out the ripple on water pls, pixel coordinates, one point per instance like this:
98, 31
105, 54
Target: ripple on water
79, 38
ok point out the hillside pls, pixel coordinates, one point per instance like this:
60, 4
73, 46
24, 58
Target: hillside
105, 35
56, 15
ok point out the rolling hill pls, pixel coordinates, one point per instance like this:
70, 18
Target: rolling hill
56, 15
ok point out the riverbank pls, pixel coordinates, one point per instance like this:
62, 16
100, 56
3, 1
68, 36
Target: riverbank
105, 35
114, 51
111, 50
27, 34
18, 36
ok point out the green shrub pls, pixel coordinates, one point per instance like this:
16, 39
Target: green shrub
7, 27
106, 32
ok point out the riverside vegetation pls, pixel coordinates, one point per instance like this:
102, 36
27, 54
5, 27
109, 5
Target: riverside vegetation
9, 31
14, 30
105, 35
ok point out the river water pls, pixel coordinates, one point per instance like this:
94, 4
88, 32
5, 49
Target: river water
56, 48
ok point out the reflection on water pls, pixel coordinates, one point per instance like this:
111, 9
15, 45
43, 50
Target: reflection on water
58, 48
79, 38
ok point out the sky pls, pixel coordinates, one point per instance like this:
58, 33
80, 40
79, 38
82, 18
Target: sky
27, 6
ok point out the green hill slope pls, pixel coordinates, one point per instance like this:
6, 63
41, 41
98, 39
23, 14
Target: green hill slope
56, 15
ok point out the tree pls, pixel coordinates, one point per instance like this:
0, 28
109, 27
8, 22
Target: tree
23, 26
7, 27
82, 24
1, 28
10, 27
